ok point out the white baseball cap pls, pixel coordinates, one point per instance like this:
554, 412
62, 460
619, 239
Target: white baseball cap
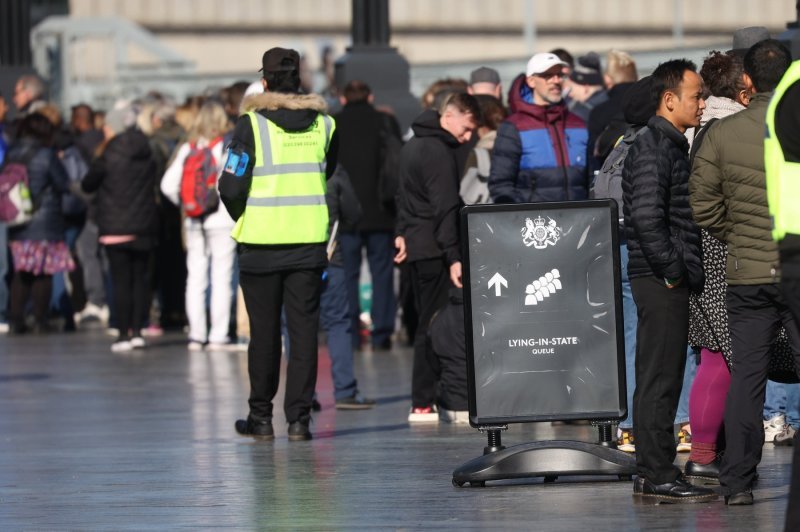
543, 62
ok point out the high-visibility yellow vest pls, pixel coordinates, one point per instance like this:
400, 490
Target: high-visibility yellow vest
286, 204
783, 177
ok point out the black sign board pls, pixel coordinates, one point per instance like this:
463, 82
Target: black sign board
543, 312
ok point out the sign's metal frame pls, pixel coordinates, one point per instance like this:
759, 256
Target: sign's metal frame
479, 422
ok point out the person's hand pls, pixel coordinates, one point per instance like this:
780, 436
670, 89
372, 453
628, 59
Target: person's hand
455, 274
400, 245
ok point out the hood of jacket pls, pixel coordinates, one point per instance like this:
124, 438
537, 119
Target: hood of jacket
131, 144
639, 104
289, 111
520, 100
427, 125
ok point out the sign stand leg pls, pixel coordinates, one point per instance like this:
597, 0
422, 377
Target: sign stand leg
495, 443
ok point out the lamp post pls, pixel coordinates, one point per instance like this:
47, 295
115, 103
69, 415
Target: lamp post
791, 37
372, 60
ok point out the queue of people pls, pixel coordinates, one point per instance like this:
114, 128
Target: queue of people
274, 193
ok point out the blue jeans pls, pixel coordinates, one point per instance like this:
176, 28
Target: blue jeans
333, 317
3, 272
59, 298
629, 321
783, 399
682, 414
380, 256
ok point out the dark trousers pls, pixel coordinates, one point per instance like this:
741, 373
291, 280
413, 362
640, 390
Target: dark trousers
661, 339
37, 288
380, 257
755, 314
298, 291
128, 265
791, 293
430, 280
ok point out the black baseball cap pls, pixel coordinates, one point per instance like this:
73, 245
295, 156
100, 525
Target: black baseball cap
280, 60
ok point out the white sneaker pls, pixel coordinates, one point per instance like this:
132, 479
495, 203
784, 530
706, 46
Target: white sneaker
785, 437
221, 346
122, 346
460, 417
773, 426
138, 342
4, 328
195, 345
428, 414
92, 312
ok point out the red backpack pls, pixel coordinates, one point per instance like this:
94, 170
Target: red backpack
199, 196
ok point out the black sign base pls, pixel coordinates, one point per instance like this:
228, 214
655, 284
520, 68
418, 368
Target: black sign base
549, 459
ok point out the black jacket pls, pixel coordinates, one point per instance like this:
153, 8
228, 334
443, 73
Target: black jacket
608, 114
359, 126
48, 181
291, 112
428, 199
124, 178
343, 206
663, 239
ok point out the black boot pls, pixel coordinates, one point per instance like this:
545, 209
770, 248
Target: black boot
298, 430
702, 474
257, 428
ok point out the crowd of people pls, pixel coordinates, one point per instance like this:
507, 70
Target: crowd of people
150, 215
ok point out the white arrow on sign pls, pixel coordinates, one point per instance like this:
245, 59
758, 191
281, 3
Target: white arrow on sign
497, 281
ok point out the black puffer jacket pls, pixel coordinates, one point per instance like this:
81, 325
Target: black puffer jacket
428, 199
48, 181
124, 178
663, 239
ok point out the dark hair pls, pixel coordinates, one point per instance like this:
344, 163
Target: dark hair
356, 91
668, 77
492, 111
766, 62
284, 80
38, 127
233, 95
722, 74
564, 56
464, 103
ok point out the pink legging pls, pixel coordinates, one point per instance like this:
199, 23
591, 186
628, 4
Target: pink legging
707, 397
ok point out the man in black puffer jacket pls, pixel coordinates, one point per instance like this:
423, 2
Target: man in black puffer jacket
664, 264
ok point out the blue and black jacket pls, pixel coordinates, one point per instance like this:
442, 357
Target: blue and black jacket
540, 152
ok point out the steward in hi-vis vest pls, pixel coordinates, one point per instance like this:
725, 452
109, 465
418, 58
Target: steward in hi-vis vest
782, 161
282, 153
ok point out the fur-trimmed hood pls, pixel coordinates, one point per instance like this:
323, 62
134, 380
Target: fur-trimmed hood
273, 101
292, 112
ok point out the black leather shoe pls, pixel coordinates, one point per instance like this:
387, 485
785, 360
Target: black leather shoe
678, 492
355, 402
743, 498
701, 474
298, 430
259, 429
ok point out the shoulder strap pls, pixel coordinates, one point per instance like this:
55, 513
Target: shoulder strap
698, 139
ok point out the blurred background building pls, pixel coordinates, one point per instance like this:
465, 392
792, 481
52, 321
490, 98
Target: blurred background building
100, 50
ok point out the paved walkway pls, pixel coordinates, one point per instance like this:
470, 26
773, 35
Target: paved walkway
91, 440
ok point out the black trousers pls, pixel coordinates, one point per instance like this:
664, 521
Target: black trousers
430, 279
661, 339
298, 292
755, 313
24, 286
791, 293
128, 264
